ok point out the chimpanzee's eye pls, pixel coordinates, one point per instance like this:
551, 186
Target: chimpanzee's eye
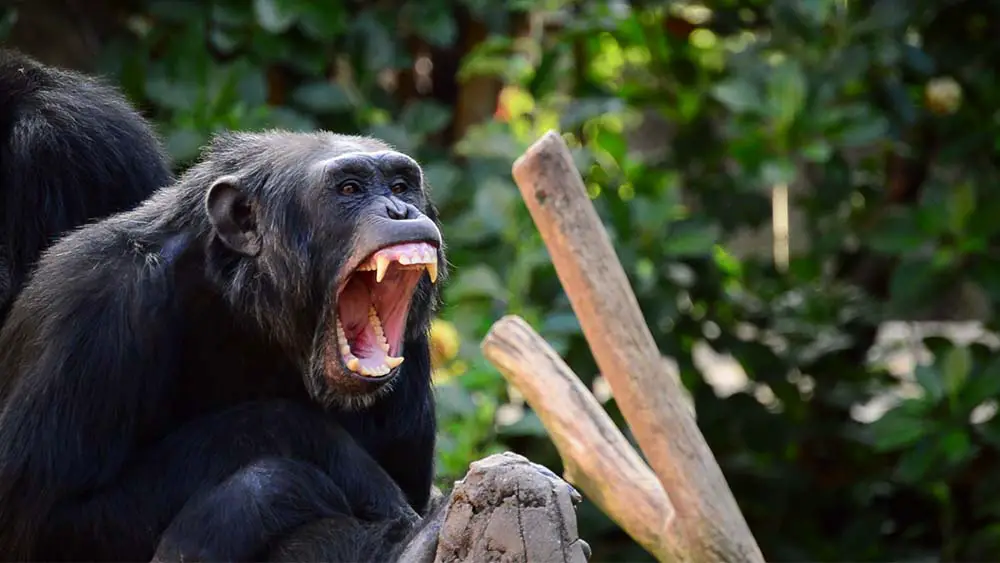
399, 187
349, 187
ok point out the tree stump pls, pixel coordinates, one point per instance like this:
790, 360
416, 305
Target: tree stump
506, 509
509, 509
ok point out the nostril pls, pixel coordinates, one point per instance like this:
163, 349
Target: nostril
396, 210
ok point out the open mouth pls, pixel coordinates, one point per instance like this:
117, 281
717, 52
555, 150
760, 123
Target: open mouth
373, 305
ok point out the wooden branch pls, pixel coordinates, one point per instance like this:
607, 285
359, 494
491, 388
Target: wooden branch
598, 459
709, 526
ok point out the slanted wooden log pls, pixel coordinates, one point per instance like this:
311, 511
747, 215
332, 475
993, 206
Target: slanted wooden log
598, 459
708, 525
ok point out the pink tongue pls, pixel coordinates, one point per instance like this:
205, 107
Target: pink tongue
407, 249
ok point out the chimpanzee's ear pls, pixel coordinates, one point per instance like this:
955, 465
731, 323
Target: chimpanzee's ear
233, 215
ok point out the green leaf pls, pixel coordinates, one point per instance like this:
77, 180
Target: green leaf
863, 132
322, 97
579, 111
476, 282
818, 151
287, 118
777, 171
612, 143
916, 463
174, 10
251, 87
452, 400
955, 367
561, 324
423, 117
691, 238
898, 233
956, 446
930, 380
491, 57
911, 284
436, 26
323, 21
738, 95
275, 16
164, 90
396, 135
786, 94
441, 178
184, 144
528, 425
981, 386
494, 198
380, 47
899, 427
961, 206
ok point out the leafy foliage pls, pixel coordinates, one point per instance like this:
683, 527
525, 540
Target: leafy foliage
878, 115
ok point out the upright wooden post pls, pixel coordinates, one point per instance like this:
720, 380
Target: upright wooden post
708, 525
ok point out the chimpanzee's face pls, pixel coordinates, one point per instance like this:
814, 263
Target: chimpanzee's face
378, 203
343, 233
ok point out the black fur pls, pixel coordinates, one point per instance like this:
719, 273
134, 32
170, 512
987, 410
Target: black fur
159, 382
71, 150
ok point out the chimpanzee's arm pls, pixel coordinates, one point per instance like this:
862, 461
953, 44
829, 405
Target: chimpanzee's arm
251, 473
82, 372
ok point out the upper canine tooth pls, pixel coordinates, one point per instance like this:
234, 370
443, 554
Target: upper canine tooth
432, 270
381, 265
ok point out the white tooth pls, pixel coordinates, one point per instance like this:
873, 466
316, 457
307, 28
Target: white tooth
393, 362
381, 265
354, 364
432, 270
345, 350
377, 328
404, 259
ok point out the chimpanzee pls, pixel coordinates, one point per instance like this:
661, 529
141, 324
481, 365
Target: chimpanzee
71, 150
242, 355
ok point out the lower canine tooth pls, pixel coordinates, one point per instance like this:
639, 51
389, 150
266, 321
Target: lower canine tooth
354, 364
393, 362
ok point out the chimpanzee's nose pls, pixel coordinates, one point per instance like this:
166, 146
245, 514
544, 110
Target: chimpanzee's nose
396, 209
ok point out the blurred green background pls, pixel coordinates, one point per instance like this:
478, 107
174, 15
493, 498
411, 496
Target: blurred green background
802, 192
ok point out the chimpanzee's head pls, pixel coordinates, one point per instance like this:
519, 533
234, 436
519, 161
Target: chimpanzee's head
334, 248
